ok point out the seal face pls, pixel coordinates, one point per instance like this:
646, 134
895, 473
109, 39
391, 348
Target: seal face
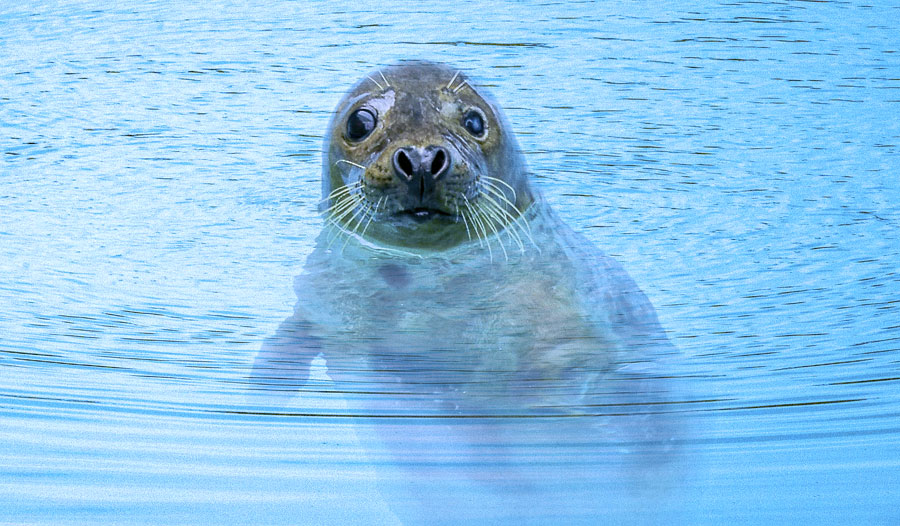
417, 157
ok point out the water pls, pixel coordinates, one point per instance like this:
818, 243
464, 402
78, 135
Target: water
157, 189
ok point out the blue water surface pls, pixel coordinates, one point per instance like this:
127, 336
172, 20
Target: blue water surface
158, 193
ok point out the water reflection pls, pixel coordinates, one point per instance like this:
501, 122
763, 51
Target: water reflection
484, 380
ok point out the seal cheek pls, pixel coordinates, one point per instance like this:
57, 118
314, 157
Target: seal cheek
379, 174
462, 167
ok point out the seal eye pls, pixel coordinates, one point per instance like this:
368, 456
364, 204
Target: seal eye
473, 121
360, 124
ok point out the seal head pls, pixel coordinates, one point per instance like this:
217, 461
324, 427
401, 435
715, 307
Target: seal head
417, 157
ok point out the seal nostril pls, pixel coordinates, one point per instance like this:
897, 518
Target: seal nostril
403, 164
439, 163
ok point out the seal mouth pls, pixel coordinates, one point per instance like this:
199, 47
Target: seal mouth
421, 215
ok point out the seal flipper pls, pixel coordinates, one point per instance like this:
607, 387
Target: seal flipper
283, 362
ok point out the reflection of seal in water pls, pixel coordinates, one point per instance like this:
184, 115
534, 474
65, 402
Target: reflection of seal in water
443, 271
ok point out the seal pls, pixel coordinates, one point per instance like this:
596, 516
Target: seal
442, 264
463, 323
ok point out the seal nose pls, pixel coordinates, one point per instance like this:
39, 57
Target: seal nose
419, 168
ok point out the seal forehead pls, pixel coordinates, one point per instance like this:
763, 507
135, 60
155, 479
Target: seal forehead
417, 85
420, 74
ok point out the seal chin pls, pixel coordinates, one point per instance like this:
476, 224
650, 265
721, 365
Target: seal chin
422, 215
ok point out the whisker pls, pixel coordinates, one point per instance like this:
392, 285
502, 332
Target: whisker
461, 84
340, 192
492, 220
339, 204
499, 213
352, 230
465, 222
351, 163
340, 189
527, 228
333, 237
384, 78
341, 201
326, 200
345, 203
496, 213
352, 205
372, 215
361, 214
474, 223
451, 80
338, 207
348, 205
504, 183
376, 83
495, 192
476, 219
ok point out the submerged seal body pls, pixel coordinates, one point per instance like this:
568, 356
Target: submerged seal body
443, 271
